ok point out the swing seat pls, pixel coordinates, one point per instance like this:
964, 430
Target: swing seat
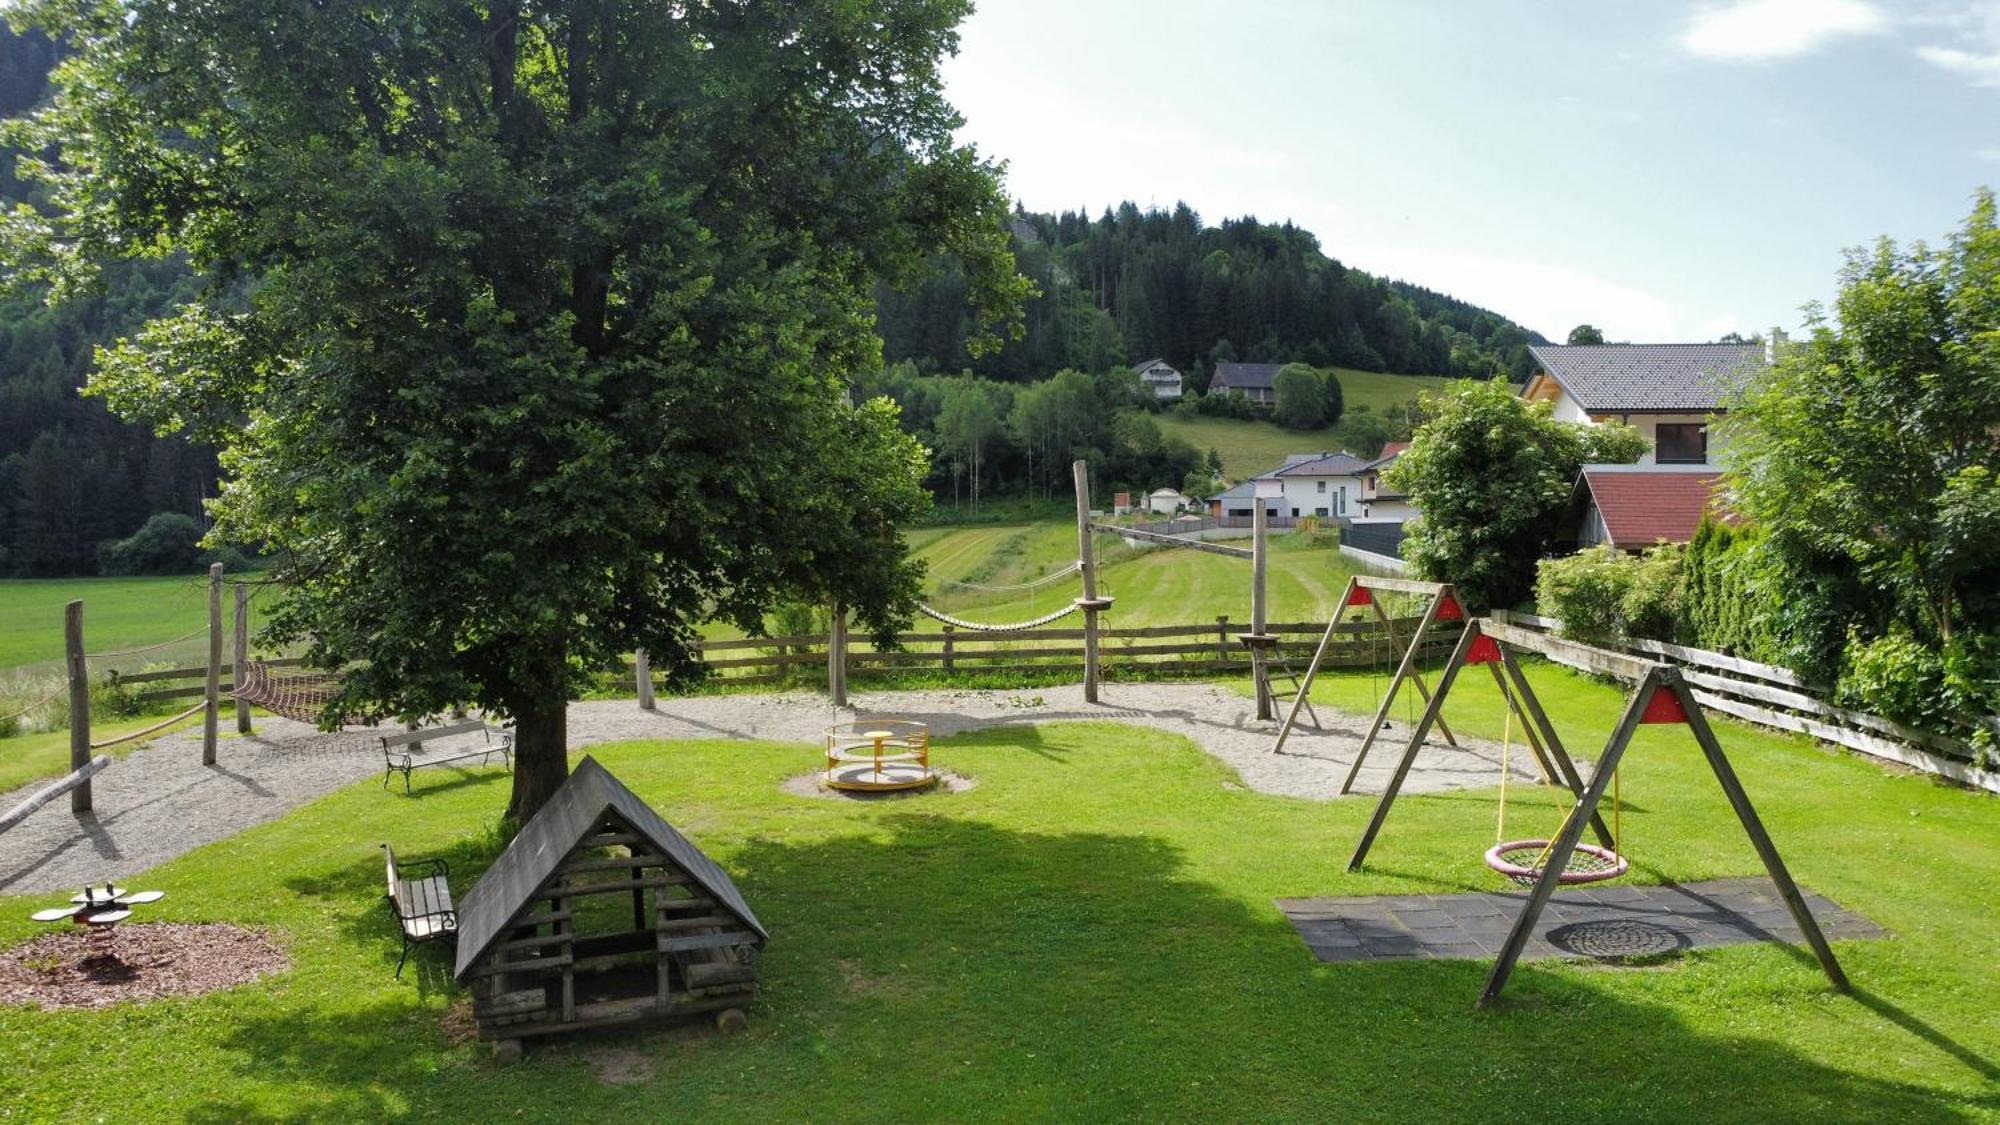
1520, 860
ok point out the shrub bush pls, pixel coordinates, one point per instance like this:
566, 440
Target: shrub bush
1601, 595
1895, 676
168, 543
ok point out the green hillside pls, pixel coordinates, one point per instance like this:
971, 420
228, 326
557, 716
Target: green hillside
1250, 447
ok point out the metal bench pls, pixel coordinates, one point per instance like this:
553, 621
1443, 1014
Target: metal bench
422, 906
399, 753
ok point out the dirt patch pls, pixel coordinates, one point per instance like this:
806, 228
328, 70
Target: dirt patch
620, 1066
814, 785
458, 1025
72, 969
861, 982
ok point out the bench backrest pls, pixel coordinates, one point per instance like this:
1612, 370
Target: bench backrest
407, 737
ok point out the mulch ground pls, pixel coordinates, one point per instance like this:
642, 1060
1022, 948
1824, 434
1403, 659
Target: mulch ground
68, 968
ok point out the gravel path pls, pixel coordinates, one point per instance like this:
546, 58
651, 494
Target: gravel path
159, 801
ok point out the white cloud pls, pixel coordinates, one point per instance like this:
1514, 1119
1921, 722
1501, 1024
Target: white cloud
1551, 299
1981, 70
1990, 154
1767, 29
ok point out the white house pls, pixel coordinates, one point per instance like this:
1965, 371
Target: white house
1166, 501
1379, 503
1161, 378
1669, 392
1284, 496
1327, 486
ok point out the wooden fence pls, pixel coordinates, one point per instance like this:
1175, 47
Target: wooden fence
1775, 697
1130, 653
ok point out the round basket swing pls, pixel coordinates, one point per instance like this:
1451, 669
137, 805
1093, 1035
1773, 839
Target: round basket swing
1524, 861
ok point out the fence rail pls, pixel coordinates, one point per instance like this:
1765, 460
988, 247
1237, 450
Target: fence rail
1136, 651
1779, 698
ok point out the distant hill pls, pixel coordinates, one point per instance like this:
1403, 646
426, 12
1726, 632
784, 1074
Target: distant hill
1133, 285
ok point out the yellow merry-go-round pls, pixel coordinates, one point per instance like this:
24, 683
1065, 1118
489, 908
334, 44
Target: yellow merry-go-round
879, 755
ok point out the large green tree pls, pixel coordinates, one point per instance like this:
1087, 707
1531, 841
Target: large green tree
553, 305
1876, 439
1491, 473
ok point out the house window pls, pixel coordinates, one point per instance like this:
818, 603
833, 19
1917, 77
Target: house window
1322, 486
1321, 512
1343, 500
1295, 513
1680, 443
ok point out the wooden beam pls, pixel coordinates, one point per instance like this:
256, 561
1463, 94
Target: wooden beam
1312, 667
1401, 585
1415, 744
1566, 839
68, 783
1631, 669
1174, 541
1432, 706
211, 711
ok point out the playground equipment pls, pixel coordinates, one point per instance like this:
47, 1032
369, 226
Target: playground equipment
879, 755
1659, 695
1524, 860
1440, 604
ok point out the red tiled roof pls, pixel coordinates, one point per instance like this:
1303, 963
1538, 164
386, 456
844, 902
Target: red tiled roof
1391, 449
1642, 508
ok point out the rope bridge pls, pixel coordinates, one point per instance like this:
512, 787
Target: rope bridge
1015, 627
303, 696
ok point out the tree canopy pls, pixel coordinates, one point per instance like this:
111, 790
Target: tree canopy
1873, 444
1586, 334
1491, 474
554, 306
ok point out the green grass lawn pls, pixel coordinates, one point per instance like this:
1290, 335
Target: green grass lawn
117, 613
1090, 934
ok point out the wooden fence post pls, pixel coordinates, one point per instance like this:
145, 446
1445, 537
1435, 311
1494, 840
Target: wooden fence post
1257, 640
241, 657
643, 677
947, 650
1222, 636
1086, 562
212, 696
79, 702
836, 655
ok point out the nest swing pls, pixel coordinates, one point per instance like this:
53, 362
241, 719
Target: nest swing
1524, 861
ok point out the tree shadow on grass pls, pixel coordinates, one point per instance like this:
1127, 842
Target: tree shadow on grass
934, 967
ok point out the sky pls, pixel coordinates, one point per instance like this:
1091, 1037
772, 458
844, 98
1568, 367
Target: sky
1665, 171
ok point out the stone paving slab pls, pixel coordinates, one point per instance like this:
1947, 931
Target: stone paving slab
1602, 921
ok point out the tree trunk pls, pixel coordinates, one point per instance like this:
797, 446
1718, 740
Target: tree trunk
541, 738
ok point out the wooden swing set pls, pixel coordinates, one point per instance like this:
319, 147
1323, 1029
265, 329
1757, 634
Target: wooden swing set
1441, 605
1660, 696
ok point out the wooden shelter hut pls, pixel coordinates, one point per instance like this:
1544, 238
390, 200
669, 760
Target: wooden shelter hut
600, 913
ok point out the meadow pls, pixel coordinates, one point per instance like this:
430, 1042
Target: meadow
1249, 446
1090, 933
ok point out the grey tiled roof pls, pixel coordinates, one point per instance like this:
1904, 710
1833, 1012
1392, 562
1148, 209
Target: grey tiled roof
1245, 376
1342, 464
1648, 377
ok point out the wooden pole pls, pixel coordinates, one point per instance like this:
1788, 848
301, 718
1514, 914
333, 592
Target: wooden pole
1260, 669
1551, 741
1411, 749
1312, 667
1403, 671
79, 702
211, 712
1566, 840
1416, 675
240, 660
77, 780
1087, 566
1774, 865
836, 655
643, 680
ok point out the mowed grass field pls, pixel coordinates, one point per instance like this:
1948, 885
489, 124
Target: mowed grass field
1091, 934
118, 613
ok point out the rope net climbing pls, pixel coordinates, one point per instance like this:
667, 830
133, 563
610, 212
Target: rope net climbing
303, 696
